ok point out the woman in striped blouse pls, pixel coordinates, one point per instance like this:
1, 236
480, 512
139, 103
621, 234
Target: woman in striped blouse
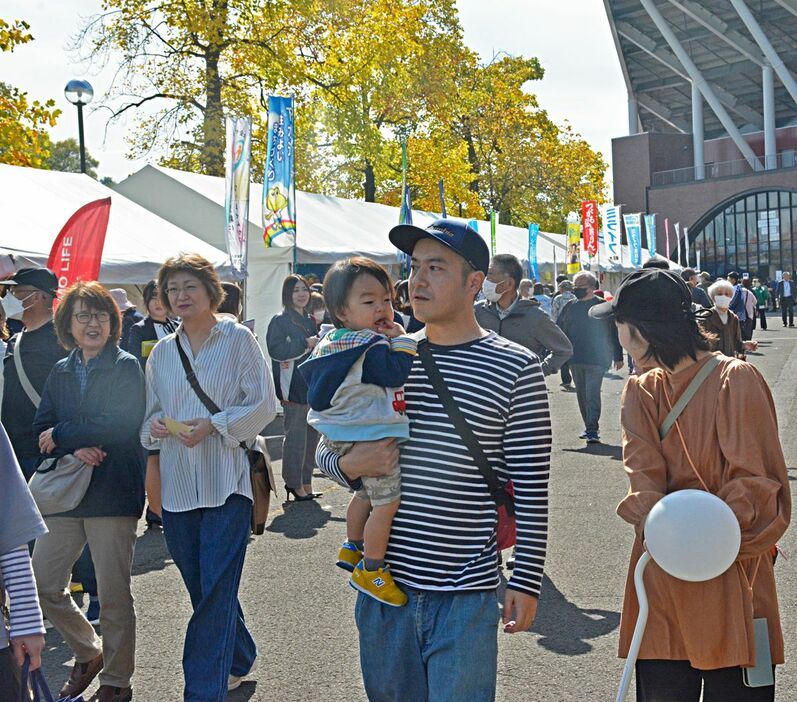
206, 488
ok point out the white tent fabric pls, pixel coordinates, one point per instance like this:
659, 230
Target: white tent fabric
329, 228
35, 204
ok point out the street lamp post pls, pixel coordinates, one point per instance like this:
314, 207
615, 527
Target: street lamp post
79, 93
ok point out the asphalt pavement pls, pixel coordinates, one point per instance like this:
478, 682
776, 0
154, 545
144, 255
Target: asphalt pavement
300, 608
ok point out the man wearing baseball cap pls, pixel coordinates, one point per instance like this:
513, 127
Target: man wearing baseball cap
34, 351
442, 644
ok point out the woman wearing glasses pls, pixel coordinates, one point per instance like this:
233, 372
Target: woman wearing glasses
92, 407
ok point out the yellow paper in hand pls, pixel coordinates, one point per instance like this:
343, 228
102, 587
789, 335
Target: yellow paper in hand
175, 427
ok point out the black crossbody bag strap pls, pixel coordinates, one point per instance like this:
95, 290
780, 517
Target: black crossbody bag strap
190, 376
463, 429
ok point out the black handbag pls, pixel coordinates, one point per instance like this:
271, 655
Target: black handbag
259, 461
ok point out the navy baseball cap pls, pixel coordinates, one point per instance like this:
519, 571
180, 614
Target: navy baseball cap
42, 278
457, 236
648, 295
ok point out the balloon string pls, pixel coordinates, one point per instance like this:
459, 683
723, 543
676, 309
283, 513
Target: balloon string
749, 581
683, 443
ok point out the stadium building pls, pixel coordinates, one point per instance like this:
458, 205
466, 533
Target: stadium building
712, 122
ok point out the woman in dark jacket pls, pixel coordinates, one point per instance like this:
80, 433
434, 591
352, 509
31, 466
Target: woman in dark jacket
92, 407
150, 330
142, 339
290, 338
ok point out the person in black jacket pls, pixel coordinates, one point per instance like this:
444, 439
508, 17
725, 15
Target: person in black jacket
141, 340
130, 316
92, 407
290, 338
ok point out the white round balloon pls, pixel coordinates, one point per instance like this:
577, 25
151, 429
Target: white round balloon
692, 535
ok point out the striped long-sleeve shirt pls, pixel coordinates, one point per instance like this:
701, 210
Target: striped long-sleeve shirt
16, 576
443, 536
232, 371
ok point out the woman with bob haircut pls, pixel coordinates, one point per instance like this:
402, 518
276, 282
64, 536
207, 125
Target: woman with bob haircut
206, 491
92, 407
699, 634
290, 338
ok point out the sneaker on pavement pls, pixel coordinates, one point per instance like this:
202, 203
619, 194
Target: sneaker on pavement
592, 437
93, 612
378, 584
234, 681
583, 435
109, 693
81, 677
349, 556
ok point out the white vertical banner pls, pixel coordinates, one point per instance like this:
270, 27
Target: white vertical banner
697, 253
686, 244
611, 233
236, 199
678, 243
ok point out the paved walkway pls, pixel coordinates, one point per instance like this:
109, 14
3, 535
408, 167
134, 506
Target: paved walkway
300, 608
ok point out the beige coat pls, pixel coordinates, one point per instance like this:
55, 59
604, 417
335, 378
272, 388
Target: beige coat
730, 430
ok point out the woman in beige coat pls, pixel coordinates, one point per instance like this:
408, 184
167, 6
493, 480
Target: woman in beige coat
699, 634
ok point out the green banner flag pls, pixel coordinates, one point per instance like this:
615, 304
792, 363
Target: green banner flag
493, 226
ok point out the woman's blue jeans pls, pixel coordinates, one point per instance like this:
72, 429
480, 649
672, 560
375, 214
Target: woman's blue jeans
209, 545
439, 647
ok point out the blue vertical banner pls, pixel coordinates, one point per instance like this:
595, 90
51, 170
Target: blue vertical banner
633, 231
442, 200
279, 197
650, 230
534, 271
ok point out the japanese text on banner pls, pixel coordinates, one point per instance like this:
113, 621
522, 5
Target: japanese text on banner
589, 222
573, 247
236, 199
633, 230
279, 207
534, 271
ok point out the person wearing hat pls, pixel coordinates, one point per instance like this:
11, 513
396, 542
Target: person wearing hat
442, 644
595, 346
699, 634
130, 316
36, 350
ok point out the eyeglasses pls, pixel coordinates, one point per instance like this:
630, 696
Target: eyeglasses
86, 317
189, 289
22, 292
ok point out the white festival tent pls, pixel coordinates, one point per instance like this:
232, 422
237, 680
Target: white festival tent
329, 229
35, 204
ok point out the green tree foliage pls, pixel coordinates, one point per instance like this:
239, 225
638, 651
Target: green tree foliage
23, 139
65, 156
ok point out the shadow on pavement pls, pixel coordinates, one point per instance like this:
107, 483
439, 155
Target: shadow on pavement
565, 628
245, 692
613, 452
300, 520
151, 552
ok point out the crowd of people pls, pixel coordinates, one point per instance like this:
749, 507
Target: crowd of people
428, 399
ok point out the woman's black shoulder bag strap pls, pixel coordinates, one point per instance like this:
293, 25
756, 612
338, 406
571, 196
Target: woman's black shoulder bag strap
190, 376
463, 429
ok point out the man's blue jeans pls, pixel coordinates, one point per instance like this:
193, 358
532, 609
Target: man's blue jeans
439, 647
209, 545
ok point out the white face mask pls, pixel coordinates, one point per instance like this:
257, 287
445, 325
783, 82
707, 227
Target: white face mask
318, 316
13, 307
490, 290
722, 302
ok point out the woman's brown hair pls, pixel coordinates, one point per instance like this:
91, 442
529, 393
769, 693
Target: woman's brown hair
197, 266
96, 299
340, 278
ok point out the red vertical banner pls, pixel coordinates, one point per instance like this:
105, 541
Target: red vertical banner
589, 224
77, 251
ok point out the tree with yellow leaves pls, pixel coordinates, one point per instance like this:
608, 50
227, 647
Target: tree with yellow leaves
23, 139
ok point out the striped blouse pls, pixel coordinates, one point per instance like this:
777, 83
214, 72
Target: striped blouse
232, 371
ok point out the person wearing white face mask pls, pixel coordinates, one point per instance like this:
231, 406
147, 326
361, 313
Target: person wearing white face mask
722, 323
519, 320
35, 351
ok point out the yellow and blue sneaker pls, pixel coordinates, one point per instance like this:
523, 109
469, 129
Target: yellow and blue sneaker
378, 584
349, 556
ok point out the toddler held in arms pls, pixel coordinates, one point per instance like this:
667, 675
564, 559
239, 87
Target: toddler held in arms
355, 378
